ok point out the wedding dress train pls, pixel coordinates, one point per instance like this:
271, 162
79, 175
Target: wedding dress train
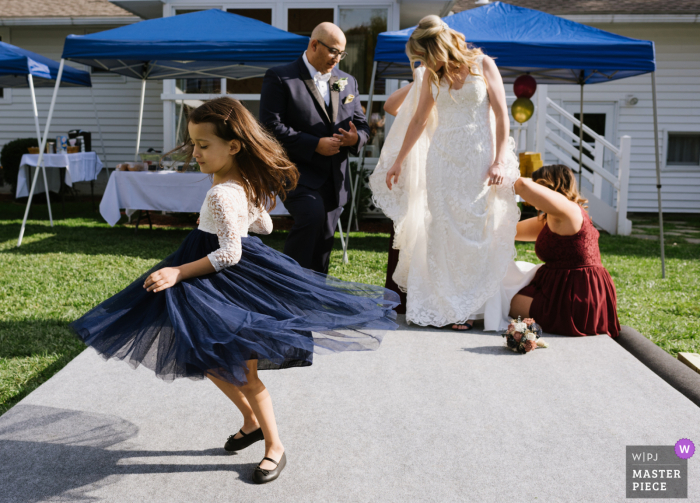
454, 232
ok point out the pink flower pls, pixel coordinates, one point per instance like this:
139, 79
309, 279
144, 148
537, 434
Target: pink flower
529, 346
517, 336
528, 321
511, 329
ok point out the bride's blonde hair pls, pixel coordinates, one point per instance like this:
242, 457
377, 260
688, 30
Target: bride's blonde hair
433, 42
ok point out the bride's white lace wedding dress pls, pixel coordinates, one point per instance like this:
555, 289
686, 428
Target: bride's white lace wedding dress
454, 232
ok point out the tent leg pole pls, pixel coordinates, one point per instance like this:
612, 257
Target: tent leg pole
179, 121
658, 175
580, 143
138, 132
340, 230
38, 138
355, 200
42, 146
99, 128
360, 176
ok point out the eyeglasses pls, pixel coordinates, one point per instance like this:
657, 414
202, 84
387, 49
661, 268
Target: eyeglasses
334, 52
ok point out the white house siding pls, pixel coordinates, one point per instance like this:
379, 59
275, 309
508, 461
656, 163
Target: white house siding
117, 101
678, 88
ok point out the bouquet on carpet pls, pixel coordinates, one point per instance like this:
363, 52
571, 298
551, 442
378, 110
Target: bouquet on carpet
523, 336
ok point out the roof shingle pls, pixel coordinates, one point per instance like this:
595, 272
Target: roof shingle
571, 7
60, 8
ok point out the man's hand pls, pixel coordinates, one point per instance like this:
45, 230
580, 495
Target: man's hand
328, 146
347, 138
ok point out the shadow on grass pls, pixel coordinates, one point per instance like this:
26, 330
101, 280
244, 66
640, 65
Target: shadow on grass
25, 338
146, 243
625, 246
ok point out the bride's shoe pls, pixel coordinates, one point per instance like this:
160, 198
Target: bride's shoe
458, 326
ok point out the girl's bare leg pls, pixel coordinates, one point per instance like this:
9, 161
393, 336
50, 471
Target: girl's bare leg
250, 422
259, 399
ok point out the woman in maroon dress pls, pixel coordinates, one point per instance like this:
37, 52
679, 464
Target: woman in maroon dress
572, 293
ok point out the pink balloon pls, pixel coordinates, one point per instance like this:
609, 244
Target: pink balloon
524, 86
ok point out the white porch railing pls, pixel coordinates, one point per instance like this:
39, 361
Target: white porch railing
556, 138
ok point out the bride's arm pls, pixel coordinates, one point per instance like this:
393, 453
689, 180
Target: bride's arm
426, 102
394, 102
497, 98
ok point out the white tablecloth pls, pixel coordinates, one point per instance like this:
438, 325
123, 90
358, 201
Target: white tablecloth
158, 191
81, 167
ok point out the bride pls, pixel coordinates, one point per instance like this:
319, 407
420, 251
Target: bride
445, 177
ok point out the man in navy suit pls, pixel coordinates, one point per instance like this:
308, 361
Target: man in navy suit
314, 110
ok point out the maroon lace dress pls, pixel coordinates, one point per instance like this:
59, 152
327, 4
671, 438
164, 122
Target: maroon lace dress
572, 293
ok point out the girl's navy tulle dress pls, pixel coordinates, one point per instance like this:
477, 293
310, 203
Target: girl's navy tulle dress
264, 307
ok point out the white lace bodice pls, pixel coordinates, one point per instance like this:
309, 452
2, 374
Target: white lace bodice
466, 108
227, 213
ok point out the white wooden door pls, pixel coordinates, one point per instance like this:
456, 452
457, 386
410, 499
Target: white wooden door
601, 117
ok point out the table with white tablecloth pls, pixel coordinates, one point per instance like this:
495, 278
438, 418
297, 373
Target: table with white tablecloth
80, 167
157, 191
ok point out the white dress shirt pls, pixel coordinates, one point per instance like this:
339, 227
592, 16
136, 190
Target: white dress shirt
321, 80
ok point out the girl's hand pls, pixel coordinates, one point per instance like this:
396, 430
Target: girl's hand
494, 175
163, 279
394, 174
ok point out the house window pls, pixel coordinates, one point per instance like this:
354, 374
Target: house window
303, 21
361, 27
683, 149
264, 15
2, 91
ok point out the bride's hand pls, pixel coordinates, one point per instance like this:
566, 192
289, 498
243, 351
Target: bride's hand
495, 175
394, 174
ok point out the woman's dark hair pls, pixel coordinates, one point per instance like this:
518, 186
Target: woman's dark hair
559, 178
263, 163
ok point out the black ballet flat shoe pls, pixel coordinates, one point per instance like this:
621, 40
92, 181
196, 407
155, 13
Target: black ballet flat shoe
261, 476
468, 325
237, 444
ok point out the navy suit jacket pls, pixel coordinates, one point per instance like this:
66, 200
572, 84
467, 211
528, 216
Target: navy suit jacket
292, 109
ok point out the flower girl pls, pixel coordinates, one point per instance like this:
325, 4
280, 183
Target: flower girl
224, 305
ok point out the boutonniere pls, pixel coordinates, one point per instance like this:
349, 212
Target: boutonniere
339, 85
348, 99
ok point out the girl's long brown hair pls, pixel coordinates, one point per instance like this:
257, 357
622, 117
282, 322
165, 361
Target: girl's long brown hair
266, 170
559, 178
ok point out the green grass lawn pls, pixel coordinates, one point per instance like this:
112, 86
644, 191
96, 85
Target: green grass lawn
61, 272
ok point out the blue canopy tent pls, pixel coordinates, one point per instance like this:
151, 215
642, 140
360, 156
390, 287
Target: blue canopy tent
205, 44
22, 68
550, 48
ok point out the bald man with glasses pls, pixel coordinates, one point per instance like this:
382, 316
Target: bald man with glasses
314, 110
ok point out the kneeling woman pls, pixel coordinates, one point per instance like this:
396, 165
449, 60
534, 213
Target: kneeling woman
572, 293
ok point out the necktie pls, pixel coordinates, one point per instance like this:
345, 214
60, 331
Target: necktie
322, 77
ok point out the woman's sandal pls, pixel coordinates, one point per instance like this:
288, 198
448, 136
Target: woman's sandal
262, 476
455, 326
247, 439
